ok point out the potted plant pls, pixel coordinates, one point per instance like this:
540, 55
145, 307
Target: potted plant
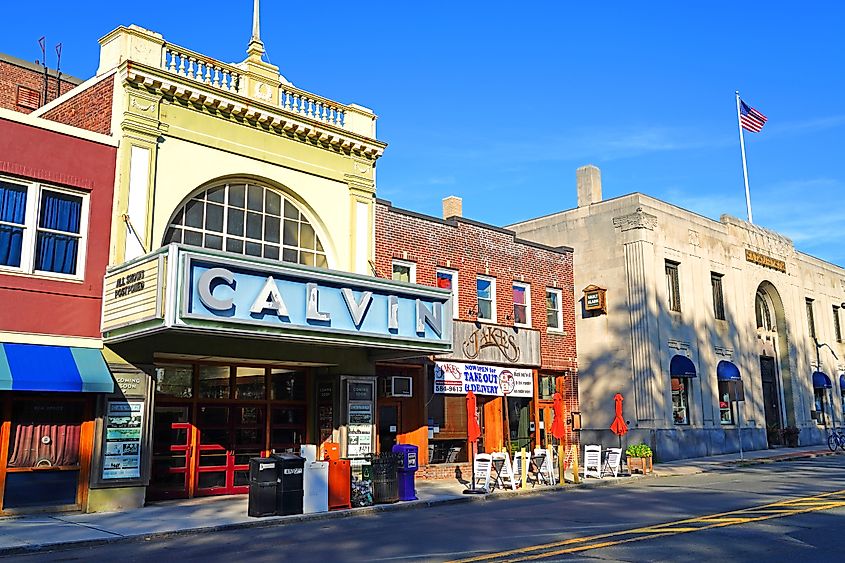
639, 457
790, 436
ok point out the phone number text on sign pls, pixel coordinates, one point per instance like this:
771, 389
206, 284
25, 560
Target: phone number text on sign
458, 379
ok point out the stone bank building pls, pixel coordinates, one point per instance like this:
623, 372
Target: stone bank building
673, 307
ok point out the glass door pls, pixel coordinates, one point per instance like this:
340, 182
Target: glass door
172, 453
388, 426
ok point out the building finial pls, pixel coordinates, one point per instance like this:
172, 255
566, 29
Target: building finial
256, 47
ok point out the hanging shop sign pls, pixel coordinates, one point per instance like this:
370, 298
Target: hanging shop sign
595, 298
289, 300
458, 379
496, 344
122, 446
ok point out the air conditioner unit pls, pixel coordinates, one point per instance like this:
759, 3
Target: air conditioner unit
398, 386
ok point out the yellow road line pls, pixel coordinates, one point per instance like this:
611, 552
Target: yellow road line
742, 516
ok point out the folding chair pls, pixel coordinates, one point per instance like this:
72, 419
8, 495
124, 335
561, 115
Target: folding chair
483, 467
612, 462
504, 476
592, 461
521, 459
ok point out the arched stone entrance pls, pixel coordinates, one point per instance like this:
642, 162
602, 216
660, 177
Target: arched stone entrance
773, 351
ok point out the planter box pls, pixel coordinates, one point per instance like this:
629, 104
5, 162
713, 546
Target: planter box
641, 464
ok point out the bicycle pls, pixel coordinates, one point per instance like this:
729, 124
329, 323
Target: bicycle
836, 439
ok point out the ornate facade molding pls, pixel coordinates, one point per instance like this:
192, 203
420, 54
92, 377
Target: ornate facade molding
261, 116
639, 219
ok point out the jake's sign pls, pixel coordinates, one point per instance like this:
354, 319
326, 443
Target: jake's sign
323, 305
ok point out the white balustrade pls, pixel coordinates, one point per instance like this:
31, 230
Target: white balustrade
198, 68
311, 106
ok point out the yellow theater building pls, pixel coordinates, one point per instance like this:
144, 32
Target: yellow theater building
239, 311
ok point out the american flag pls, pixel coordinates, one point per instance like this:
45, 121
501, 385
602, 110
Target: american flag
751, 119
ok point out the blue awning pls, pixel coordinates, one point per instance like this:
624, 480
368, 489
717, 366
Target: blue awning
681, 366
821, 380
33, 367
727, 371
842, 382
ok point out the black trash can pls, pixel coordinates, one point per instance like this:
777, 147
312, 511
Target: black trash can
290, 468
385, 483
262, 486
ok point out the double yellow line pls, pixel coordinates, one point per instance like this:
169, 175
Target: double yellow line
826, 501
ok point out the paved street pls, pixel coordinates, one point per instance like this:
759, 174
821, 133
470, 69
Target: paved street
772, 512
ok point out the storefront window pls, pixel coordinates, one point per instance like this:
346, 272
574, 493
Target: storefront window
680, 400
213, 382
819, 402
547, 386
44, 441
175, 381
726, 412
447, 424
287, 385
249, 383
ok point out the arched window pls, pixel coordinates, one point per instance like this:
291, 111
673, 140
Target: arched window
764, 316
248, 219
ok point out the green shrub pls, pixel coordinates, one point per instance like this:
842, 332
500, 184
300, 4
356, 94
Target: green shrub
638, 450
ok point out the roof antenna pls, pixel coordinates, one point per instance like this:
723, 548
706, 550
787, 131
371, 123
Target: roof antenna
42, 42
58, 70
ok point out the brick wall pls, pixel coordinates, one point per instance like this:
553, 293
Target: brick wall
22, 86
473, 249
90, 109
445, 471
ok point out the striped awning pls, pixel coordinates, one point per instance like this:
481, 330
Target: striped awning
34, 367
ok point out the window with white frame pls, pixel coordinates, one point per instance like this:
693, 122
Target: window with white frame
554, 311
448, 279
404, 271
485, 290
42, 228
521, 304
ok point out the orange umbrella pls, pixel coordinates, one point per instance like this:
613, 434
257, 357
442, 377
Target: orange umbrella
558, 427
473, 430
619, 427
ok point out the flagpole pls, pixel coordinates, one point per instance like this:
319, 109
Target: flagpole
744, 165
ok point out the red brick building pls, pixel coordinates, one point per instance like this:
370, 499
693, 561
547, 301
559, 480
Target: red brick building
514, 317
56, 186
22, 84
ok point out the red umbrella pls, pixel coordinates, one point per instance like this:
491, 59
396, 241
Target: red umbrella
619, 427
473, 432
558, 425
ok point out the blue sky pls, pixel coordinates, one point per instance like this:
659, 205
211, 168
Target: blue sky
500, 102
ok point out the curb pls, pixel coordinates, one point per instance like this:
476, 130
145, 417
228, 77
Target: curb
316, 517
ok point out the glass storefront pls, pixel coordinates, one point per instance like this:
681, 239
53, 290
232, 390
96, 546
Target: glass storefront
211, 418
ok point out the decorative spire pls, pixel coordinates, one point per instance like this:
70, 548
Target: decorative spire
256, 46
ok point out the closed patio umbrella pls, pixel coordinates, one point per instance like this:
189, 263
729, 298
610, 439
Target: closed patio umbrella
473, 433
618, 426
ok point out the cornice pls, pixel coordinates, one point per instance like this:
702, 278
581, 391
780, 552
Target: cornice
254, 114
639, 219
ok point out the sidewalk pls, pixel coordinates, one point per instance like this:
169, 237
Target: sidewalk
37, 532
